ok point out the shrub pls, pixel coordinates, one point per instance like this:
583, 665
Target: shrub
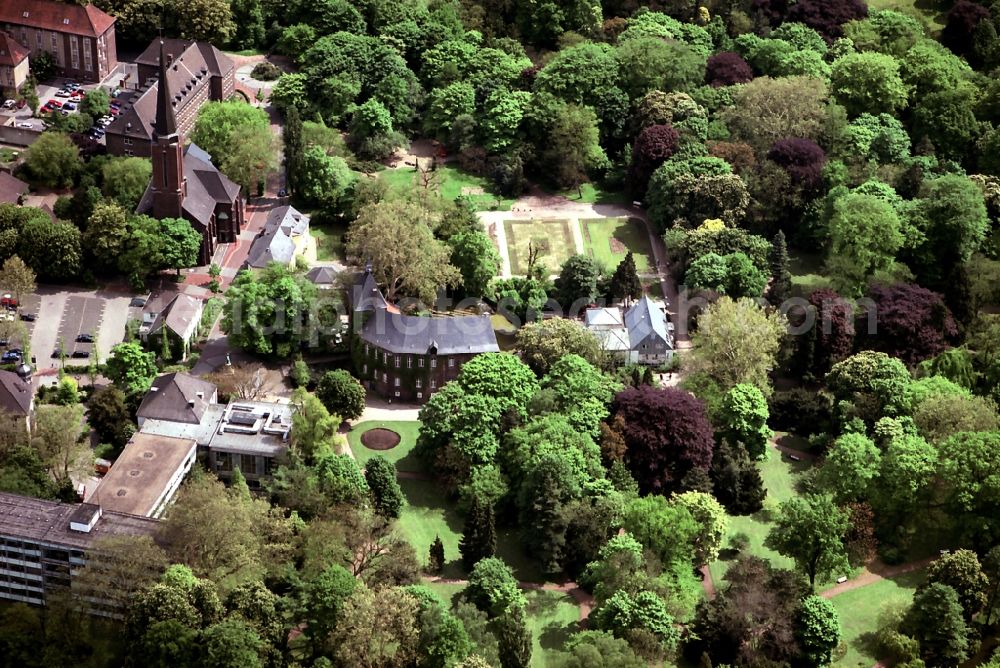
265, 71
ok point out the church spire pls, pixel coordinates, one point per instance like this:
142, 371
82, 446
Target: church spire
165, 124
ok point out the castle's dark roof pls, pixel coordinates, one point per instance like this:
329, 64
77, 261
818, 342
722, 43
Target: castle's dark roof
444, 335
15, 394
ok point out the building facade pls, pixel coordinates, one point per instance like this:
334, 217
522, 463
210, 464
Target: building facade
13, 65
81, 39
44, 544
185, 183
408, 358
196, 73
641, 334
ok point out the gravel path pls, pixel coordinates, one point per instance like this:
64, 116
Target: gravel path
582, 598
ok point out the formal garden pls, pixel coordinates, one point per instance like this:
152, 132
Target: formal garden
553, 240
608, 240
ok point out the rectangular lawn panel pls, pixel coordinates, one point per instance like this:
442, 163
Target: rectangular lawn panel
329, 241
859, 610
401, 455
552, 237
780, 475
607, 240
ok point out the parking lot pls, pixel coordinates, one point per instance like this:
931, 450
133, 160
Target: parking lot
62, 315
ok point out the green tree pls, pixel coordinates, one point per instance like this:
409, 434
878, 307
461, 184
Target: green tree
781, 278
108, 415
961, 571
873, 382
239, 139
342, 394
378, 627
866, 234
291, 137
51, 249
625, 613
577, 282
479, 535
667, 530
502, 376
868, 83
737, 342
248, 18
713, 521
810, 530
851, 467
321, 179
435, 556
580, 392
542, 343
203, 20
493, 588
476, 258
322, 602
53, 160
104, 238
935, 620
387, 497
257, 302
371, 134
314, 427
744, 416
17, 278
952, 216
625, 282
573, 149
416, 264
596, 648
232, 643
95, 103
514, 637
130, 368
125, 179
907, 468
818, 629
180, 243
55, 435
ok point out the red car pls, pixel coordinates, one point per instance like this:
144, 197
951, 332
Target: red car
55, 104
7, 301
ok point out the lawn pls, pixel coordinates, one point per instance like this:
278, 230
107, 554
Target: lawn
552, 617
780, 475
329, 242
401, 455
807, 273
8, 154
859, 610
553, 237
607, 240
451, 182
594, 194
427, 514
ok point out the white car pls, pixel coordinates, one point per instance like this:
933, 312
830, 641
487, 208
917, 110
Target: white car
9, 104
25, 125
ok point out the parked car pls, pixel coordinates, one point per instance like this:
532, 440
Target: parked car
62, 92
85, 338
81, 353
97, 132
57, 353
25, 125
28, 317
138, 302
55, 103
115, 111
8, 301
69, 106
71, 85
78, 93
9, 104
10, 357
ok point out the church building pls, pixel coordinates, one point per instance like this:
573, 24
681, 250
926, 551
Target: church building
185, 183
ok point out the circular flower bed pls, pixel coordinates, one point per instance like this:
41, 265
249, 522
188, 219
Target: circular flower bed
265, 71
380, 438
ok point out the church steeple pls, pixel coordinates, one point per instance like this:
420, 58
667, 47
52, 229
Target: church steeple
166, 122
168, 184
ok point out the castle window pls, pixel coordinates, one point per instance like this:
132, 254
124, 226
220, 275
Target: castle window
385, 378
434, 363
396, 360
420, 362
420, 383
364, 369
396, 383
451, 362
434, 384
409, 361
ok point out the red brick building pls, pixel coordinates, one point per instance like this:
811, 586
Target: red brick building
80, 39
406, 357
185, 183
197, 73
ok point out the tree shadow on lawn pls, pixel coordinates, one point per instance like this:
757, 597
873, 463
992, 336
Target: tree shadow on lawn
554, 634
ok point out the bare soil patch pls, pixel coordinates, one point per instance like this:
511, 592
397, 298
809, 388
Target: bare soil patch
380, 438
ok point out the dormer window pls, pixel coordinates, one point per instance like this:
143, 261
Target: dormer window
65, 22
25, 15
